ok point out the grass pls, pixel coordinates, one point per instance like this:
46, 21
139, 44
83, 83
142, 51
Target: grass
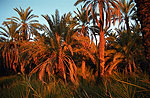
118, 85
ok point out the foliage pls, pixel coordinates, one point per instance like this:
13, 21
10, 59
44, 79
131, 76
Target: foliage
117, 85
9, 44
123, 52
51, 53
25, 22
107, 8
128, 13
67, 59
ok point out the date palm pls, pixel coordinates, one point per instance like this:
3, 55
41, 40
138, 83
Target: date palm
103, 6
85, 48
52, 51
83, 25
120, 51
83, 35
127, 12
143, 13
27, 25
9, 45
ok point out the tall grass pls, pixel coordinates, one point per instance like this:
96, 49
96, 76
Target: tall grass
127, 86
118, 85
31, 87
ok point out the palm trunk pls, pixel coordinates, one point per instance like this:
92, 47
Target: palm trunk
83, 68
127, 24
130, 68
135, 69
110, 69
24, 33
83, 33
126, 70
101, 52
61, 64
143, 12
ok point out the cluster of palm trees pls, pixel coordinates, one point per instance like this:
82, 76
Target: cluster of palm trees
68, 43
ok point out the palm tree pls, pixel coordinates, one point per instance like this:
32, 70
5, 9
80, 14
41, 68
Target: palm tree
27, 25
127, 12
103, 6
143, 16
52, 51
83, 25
120, 51
9, 44
81, 37
85, 48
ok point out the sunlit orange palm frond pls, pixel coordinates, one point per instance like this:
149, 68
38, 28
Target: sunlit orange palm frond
102, 8
84, 46
121, 52
50, 60
10, 44
52, 52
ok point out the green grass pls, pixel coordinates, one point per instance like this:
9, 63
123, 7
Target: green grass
118, 85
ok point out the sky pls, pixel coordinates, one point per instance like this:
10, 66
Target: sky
40, 7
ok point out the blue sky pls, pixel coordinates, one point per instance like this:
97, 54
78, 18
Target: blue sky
39, 7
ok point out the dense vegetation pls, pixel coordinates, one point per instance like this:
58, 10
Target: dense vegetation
77, 56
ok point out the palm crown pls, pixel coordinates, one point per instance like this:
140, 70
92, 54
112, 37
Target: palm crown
27, 25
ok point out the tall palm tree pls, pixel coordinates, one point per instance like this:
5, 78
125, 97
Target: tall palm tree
83, 25
9, 44
52, 51
84, 31
27, 25
127, 12
103, 6
143, 13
